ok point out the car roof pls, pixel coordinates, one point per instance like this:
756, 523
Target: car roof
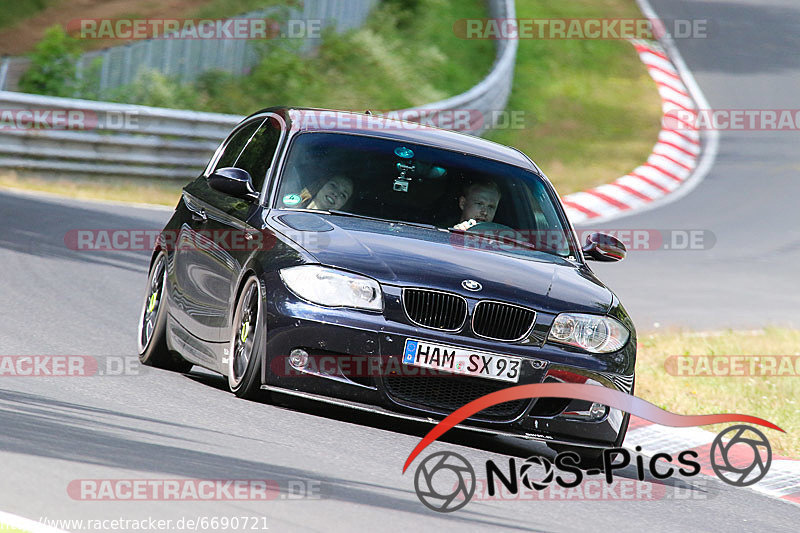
301, 119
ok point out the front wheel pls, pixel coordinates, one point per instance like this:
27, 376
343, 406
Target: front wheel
248, 343
153, 350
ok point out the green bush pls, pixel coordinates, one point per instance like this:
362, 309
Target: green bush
88, 83
404, 55
53, 61
152, 88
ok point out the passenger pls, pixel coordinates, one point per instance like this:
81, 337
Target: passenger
478, 203
331, 193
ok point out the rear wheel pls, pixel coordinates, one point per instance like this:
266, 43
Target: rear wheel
153, 350
248, 343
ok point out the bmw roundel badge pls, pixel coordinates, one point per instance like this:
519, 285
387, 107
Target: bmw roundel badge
471, 285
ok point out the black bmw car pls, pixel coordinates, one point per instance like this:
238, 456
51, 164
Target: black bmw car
389, 267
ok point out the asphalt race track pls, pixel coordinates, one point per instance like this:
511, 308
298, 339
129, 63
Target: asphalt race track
748, 201
152, 424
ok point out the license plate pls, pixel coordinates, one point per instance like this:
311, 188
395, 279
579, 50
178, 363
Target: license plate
462, 361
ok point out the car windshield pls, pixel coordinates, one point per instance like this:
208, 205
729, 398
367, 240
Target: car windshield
483, 203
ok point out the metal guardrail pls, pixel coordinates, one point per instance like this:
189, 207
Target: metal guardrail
11, 70
138, 141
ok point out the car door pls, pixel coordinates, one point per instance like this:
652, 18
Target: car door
213, 243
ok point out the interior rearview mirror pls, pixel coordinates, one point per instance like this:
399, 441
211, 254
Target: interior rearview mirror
604, 247
233, 181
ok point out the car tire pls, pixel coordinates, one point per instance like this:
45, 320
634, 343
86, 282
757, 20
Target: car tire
152, 337
248, 343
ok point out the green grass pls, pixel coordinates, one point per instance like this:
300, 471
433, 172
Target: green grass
145, 191
591, 111
16, 10
405, 55
774, 398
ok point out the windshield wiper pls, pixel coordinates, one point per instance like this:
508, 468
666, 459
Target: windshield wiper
415, 224
346, 214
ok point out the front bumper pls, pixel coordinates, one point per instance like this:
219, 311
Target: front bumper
355, 356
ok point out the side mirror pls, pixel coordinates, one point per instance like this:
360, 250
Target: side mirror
603, 247
233, 181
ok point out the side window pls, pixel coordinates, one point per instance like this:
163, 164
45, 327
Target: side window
235, 145
257, 155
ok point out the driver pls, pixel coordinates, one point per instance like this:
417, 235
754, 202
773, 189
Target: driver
478, 203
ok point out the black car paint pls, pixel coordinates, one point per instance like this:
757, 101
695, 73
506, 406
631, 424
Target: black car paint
203, 286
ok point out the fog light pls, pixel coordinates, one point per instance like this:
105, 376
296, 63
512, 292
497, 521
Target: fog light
298, 358
597, 410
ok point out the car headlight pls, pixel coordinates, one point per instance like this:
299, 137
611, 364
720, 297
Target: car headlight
593, 333
333, 288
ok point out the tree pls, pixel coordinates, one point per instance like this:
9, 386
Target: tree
53, 65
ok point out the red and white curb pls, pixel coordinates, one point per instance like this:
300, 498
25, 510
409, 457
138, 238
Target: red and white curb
672, 162
781, 481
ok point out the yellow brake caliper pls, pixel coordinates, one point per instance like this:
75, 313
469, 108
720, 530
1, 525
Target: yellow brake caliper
245, 331
152, 304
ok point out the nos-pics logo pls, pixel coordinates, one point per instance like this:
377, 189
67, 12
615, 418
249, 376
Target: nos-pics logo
445, 481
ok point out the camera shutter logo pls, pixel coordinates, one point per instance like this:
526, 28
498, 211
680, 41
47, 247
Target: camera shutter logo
454, 487
733, 472
526, 475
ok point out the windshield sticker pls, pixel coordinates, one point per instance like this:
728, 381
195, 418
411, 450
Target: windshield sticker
291, 199
405, 153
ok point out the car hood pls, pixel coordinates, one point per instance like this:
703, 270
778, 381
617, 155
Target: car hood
409, 256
